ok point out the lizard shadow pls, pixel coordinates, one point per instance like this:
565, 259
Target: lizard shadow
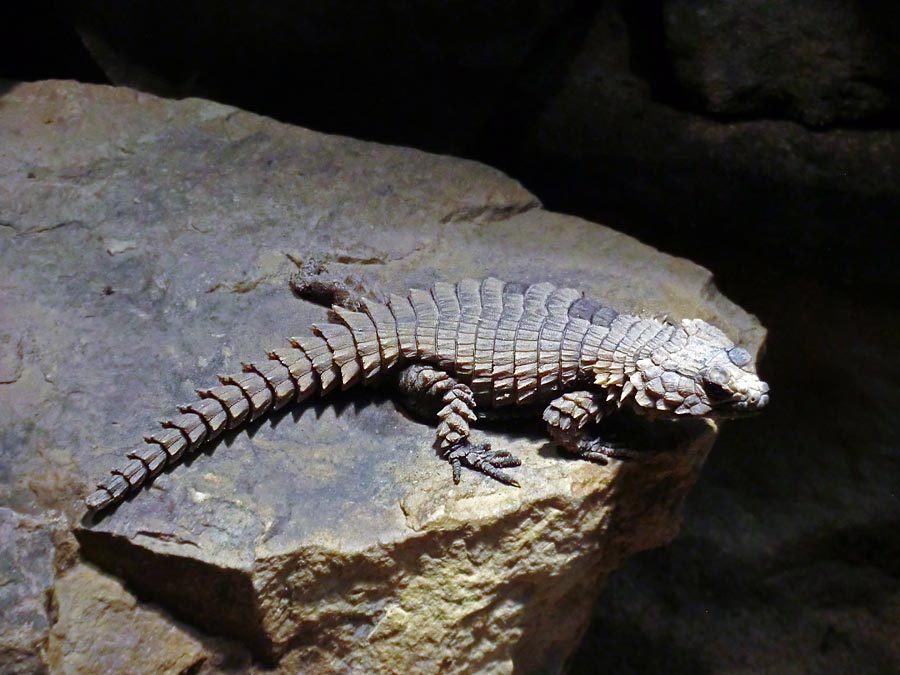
638, 434
340, 402
357, 400
626, 430
642, 436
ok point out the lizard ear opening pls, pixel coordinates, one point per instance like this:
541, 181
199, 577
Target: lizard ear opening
715, 384
716, 392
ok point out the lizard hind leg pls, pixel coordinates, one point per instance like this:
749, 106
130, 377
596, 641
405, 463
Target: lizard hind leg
313, 282
431, 391
567, 418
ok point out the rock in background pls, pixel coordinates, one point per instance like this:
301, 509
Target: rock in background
759, 138
822, 63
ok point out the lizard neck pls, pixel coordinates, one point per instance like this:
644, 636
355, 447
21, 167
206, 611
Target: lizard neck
609, 354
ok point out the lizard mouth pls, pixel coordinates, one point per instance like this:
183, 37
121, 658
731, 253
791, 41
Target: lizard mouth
745, 404
758, 398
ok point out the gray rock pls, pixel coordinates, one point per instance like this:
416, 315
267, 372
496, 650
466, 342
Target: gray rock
148, 244
27, 572
820, 62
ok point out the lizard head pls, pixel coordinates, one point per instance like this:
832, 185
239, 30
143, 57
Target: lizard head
698, 371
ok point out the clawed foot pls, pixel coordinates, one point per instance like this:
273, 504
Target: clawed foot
595, 450
481, 458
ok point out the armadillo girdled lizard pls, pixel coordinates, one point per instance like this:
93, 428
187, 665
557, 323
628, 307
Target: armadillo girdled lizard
476, 345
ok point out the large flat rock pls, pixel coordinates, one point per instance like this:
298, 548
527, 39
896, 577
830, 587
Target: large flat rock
147, 245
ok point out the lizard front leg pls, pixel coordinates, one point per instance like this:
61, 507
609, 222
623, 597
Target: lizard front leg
431, 391
567, 418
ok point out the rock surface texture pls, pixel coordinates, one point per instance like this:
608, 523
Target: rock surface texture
147, 245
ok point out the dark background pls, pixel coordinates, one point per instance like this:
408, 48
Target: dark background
760, 139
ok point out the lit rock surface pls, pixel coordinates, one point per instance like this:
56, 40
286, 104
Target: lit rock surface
101, 628
148, 244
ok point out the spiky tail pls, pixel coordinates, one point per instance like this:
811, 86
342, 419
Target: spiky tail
333, 356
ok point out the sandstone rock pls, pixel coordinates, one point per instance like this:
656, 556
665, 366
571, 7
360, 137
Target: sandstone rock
148, 244
101, 628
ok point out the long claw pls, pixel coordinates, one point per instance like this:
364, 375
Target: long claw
593, 456
501, 476
481, 458
595, 450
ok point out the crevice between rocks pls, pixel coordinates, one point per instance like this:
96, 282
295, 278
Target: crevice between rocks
489, 213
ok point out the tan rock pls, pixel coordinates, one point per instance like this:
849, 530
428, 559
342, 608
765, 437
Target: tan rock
101, 628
